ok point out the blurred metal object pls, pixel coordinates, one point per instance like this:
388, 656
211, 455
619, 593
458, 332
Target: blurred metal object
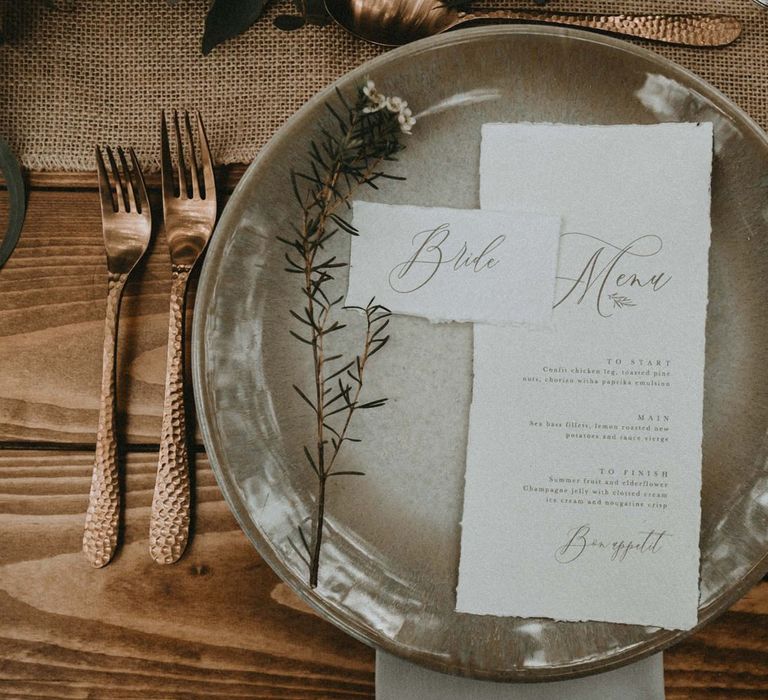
315, 12
14, 181
127, 223
396, 22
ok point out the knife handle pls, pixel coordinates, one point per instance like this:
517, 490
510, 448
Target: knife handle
102, 519
685, 30
169, 524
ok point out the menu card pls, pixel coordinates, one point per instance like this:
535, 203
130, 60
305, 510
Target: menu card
583, 477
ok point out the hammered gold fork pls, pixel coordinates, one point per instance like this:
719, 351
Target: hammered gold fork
190, 213
127, 224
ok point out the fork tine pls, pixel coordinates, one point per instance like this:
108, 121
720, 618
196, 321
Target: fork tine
193, 158
166, 165
128, 180
180, 165
105, 190
119, 193
205, 156
141, 189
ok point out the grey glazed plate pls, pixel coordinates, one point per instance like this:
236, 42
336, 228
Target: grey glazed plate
389, 565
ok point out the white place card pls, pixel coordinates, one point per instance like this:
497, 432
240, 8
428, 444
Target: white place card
583, 477
454, 264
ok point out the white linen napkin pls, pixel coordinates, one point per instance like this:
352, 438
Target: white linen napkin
399, 680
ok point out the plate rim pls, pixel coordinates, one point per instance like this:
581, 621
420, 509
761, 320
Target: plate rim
205, 291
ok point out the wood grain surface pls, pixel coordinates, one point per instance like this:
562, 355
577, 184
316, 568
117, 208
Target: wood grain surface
52, 303
218, 623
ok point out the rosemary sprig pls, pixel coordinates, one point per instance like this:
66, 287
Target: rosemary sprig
351, 152
620, 301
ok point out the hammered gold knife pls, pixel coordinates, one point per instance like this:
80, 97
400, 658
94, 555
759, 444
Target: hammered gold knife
396, 22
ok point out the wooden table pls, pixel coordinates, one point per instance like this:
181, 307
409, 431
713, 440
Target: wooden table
219, 623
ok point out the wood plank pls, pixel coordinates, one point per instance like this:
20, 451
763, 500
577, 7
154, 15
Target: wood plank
217, 624
726, 660
227, 176
52, 302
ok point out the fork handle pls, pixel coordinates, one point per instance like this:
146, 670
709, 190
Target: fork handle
685, 30
102, 519
169, 524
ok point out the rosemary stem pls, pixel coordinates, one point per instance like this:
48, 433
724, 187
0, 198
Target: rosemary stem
317, 538
356, 398
319, 368
339, 166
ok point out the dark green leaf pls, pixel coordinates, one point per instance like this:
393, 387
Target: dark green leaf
299, 338
331, 428
289, 23
303, 539
338, 372
311, 461
377, 345
339, 410
299, 553
304, 396
372, 404
380, 329
228, 18
299, 318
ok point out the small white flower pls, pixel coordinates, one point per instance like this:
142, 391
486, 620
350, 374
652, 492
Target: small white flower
369, 89
378, 102
407, 124
396, 105
375, 98
405, 118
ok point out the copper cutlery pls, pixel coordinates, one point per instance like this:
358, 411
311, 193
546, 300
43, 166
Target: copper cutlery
190, 213
396, 22
127, 225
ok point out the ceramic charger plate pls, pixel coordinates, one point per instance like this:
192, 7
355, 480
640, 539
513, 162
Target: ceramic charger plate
391, 549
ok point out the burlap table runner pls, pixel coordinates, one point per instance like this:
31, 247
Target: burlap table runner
97, 71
